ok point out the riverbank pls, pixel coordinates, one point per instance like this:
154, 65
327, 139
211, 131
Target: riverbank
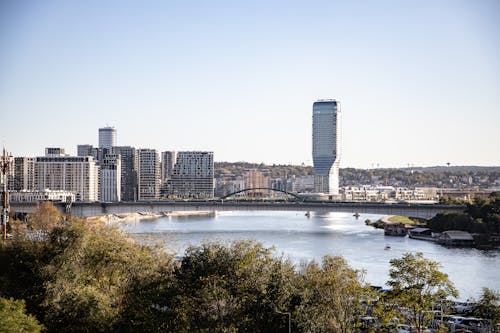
395, 219
138, 217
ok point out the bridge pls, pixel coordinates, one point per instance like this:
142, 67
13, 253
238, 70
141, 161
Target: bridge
85, 209
249, 190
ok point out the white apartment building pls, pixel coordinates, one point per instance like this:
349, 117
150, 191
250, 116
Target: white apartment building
364, 194
193, 175
67, 173
45, 195
148, 174
110, 176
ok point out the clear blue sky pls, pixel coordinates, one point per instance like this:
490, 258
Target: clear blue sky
419, 81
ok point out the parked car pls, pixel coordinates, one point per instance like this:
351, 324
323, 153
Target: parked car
369, 322
473, 324
462, 307
403, 328
457, 320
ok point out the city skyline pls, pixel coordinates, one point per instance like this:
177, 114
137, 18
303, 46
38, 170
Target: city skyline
418, 81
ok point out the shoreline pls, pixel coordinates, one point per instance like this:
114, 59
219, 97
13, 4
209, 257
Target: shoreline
143, 216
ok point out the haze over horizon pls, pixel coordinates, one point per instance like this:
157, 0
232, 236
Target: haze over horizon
418, 81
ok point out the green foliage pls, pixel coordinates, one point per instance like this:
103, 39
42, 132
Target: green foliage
13, 318
481, 216
402, 219
452, 201
488, 306
416, 284
81, 276
20, 272
330, 297
88, 277
451, 221
89, 273
275, 171
422, 177
238, 287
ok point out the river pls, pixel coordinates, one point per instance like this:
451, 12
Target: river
301, 239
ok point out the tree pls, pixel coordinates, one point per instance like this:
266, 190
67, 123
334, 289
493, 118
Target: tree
416, 284
46, 217
235, 287
89, 275
13, 317
330, 297
488, 306
20, 272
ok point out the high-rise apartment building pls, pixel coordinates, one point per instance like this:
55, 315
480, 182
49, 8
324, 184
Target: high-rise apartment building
24, 174
84, 150
168, 159
110, 178
326, 136
193, 175
128, 172
148, 174
107, 137
67, 173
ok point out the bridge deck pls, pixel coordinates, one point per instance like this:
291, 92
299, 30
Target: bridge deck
85, 209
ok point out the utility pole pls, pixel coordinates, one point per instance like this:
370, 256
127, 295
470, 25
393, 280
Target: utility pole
4, 166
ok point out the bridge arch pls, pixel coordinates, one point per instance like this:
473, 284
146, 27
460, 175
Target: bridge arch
297, 197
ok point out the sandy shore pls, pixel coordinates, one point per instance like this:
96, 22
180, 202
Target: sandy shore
137, 217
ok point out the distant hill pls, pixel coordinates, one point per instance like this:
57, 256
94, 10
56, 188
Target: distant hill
464, 168
458, 177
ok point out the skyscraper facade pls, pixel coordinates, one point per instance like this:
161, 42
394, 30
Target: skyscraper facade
107, 137
128, 172
193, 175
148, 174
84, 150
168, 159
24, 174
110, 178
326, 137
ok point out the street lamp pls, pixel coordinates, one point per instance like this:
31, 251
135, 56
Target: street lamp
289, 319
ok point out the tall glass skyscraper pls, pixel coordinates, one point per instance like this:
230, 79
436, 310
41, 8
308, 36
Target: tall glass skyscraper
107, 137
326, 145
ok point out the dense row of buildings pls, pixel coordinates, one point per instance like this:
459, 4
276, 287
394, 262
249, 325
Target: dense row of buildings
111, 173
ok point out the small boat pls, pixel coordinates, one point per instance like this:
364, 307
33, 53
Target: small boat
357, 215
387, 247
308, 214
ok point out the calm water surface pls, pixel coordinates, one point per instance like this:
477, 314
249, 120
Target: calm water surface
300, 238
